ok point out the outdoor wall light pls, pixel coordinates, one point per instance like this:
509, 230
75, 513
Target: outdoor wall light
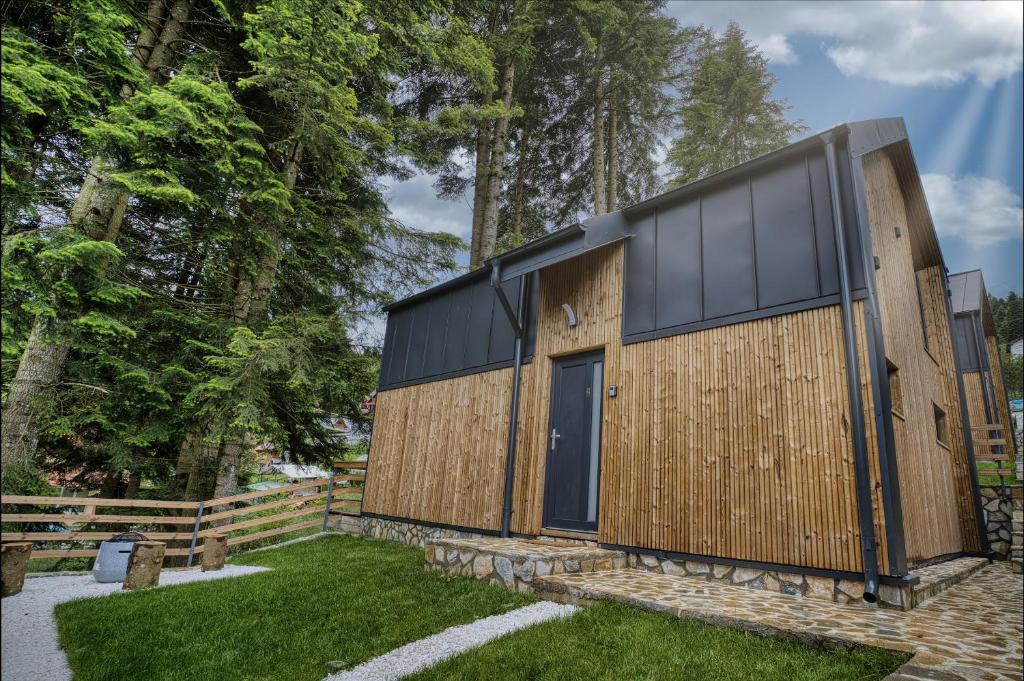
570, 314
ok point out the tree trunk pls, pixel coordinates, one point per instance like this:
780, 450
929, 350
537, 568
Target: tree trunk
40, 367
252, 297
598, 142
613, 157
13, 566
519, 199
144, 565
98, 212
131, 490
483, 162
489, 230
215, 549
203, 469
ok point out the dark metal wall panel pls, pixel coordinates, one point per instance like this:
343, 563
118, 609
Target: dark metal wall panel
403, 325
753, 246
417, 341
727, 251
480, 318
824, 233
433, 358
387, 352
638, 294
966, 343
784, 236
677, 269
459, 330
502, 337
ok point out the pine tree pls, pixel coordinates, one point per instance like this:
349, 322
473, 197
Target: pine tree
727, 115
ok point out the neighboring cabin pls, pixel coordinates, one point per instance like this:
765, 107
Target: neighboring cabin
981, 366
753, 369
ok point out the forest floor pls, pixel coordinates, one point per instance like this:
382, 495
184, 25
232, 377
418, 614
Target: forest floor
332, 604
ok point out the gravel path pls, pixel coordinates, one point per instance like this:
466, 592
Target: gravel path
431, 650
29, 631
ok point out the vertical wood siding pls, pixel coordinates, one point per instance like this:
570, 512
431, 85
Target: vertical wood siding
1002, 403
933, 293
438, 451
934, 522
976, 404
731, 442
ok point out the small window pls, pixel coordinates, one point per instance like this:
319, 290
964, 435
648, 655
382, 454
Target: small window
895, 388
941, 430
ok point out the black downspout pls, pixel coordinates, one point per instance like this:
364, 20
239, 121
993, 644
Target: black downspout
965, 420
869, 550
517, 364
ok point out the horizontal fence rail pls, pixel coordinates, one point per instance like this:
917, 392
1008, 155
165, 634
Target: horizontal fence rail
292, 508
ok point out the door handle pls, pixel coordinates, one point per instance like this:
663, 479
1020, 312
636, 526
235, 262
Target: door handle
554, 436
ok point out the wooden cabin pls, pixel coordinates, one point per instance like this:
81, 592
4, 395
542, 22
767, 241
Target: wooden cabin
988, 407
753, 369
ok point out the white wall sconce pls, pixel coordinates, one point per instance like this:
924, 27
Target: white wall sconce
570, 314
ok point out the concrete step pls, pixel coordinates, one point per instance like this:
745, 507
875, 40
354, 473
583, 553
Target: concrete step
515, 563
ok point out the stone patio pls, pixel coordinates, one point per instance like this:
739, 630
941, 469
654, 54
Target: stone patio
972, 630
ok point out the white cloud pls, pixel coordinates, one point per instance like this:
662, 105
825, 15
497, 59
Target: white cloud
414, 202
903, 43
979, 210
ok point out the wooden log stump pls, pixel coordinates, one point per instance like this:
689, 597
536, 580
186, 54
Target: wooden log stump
14, 565
144, 565
215, 549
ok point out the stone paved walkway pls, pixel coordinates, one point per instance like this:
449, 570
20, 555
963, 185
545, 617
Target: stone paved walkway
973, 630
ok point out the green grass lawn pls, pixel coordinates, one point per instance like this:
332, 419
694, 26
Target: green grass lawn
350, 599
340, 598
614, 641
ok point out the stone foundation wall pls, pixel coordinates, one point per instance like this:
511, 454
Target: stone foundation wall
1003, 521
809, 586
409, 534
515, 564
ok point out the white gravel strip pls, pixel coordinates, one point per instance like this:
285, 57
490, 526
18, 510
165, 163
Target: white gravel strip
431, 650
29, 631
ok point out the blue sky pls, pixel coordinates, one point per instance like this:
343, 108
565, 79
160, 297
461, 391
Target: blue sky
963, 130
951, 69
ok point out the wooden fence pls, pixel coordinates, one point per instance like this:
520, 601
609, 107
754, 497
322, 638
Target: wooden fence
181, 523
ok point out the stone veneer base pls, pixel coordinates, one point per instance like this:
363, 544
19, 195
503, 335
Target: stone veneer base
514, 563
519, 560
933, 580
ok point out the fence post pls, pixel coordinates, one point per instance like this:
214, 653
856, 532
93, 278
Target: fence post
195, 534
330, 497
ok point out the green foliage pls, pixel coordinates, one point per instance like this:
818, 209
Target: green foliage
616, 641
728, 115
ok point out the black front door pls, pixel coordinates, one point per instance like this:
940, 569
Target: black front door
574, 443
